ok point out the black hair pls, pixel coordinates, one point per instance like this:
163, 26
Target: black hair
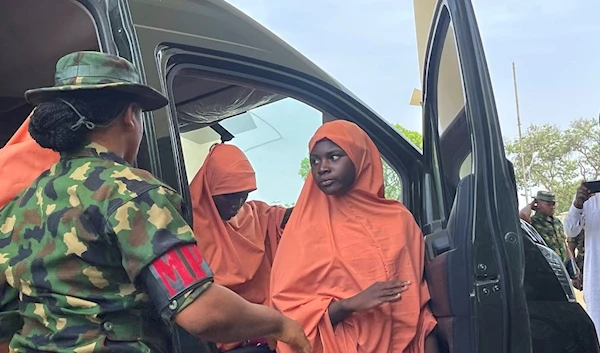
51, 123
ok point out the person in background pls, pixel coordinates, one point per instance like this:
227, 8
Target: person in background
543, 220
21, 161
584, 215
350, 264
95, 255
577, 248
237, 238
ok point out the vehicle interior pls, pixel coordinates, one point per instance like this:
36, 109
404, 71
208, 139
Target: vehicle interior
61, 27
273, 123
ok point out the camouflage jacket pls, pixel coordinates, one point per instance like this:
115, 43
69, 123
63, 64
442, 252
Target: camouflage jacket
551, 229
71, 248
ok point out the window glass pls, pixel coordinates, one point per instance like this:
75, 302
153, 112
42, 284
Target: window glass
455, 141
275, 139
273, 130
450, 96
392, 182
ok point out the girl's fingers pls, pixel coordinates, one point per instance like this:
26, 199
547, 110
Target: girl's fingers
393, 298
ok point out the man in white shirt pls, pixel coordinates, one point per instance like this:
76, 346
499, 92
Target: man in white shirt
585, 214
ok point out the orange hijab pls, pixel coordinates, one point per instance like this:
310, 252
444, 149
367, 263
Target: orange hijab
22, 160
240, 251
334, 247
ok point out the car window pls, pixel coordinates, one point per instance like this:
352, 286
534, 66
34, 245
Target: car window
275, 139
455, 140
272, 129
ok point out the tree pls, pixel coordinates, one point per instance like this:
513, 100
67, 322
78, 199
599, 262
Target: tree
413, 136
391, 179
584, 138
557, 160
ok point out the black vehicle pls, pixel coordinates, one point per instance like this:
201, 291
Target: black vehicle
230, 79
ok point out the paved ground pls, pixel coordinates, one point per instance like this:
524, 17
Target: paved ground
579, 296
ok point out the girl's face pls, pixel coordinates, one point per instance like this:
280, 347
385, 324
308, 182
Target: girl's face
331, 168
229, 205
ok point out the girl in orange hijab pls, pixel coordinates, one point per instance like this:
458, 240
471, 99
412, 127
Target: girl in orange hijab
237, 238
350, 264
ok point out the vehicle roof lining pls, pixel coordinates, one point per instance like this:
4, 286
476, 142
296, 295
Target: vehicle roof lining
202, 101
51, 29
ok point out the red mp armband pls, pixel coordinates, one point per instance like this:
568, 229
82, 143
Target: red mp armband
178, 271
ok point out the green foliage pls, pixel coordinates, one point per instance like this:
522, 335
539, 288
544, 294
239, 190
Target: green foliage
562, 157
391, 179
583, 137
413, 136
304, 168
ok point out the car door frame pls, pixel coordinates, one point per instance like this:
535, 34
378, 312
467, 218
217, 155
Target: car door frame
495, 261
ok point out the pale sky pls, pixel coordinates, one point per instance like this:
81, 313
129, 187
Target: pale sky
369, 46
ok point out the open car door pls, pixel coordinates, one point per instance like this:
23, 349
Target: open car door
470, 217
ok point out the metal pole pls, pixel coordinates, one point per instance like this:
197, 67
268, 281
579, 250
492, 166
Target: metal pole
525, 181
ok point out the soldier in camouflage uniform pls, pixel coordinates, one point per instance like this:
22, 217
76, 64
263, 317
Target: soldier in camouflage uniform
549, 227
95, 250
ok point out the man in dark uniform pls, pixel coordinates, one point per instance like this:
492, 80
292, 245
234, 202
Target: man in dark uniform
95, 249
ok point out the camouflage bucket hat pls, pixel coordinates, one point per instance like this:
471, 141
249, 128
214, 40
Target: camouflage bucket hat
90, 70
545, 196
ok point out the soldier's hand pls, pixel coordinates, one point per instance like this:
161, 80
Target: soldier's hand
583, 194
532, 205
293, 335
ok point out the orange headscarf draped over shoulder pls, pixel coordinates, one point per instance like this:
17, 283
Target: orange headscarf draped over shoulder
240, 251
22, 160
334, 247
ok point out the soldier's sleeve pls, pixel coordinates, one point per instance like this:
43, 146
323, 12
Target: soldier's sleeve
535, 223
147, 226
10, 318
158, 249
539, 228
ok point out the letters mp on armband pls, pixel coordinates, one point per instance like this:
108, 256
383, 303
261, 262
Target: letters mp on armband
180, 268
